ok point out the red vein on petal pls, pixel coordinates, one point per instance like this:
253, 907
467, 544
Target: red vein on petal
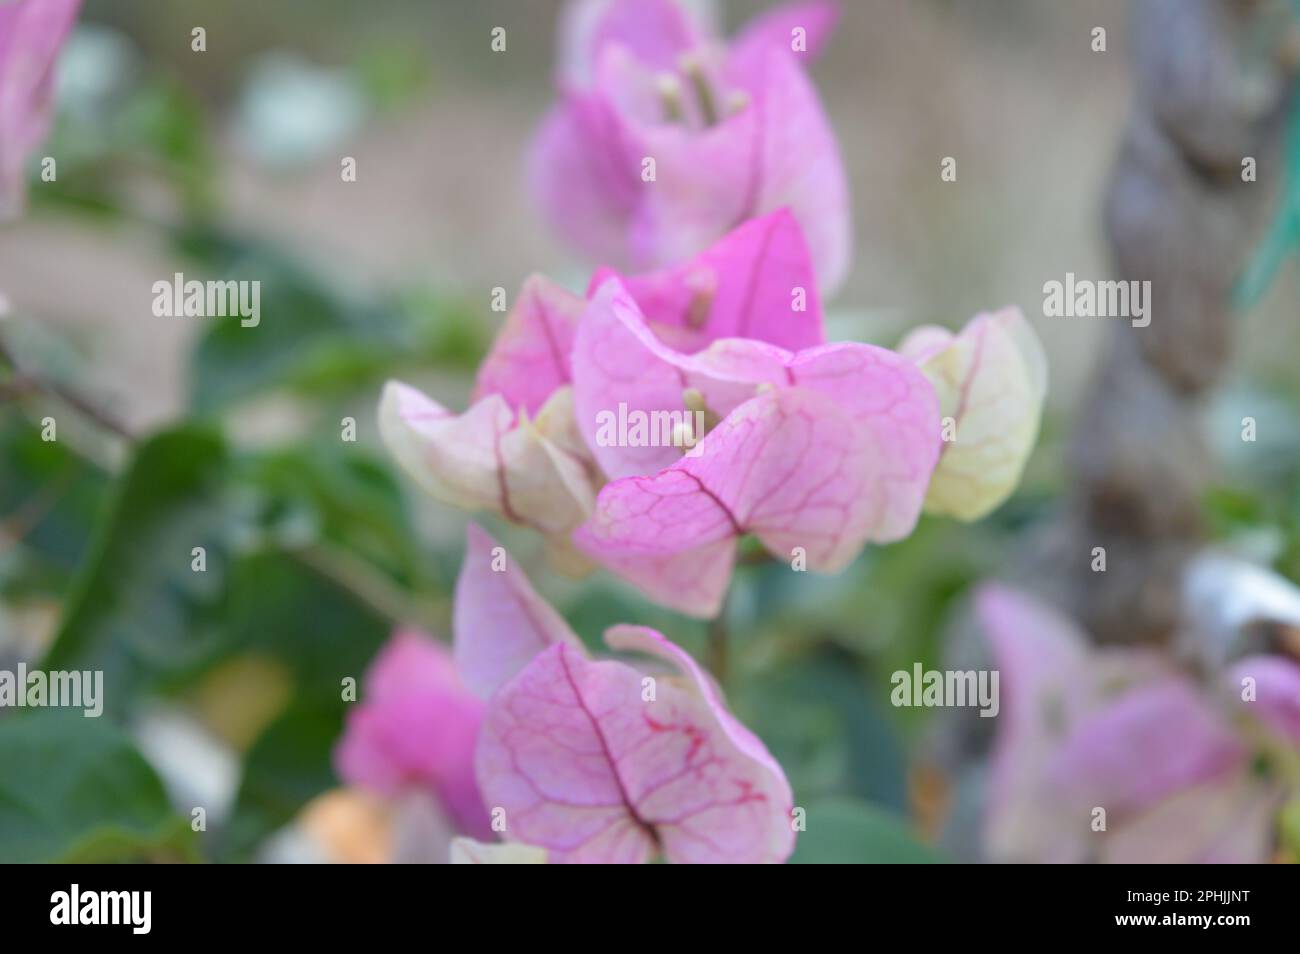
502, 484
549, 333
735, 524
604, 746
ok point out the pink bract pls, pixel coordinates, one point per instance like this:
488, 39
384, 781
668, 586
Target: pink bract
587, 767
815, 452
1118, 730
416, 726
733, 134
500, 621
605, 761
32, 33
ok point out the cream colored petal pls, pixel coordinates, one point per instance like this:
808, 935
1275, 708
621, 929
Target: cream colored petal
467, 851
991, 379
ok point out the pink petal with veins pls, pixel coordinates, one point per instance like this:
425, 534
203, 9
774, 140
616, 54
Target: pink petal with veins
618, 360
416, 725
788, 466
653, 643
744, 286
586, 767
529, 359
500, 622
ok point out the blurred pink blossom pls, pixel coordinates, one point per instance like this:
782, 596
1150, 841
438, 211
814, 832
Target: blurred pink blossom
415, 727
32, 32
734, 131
1174, 762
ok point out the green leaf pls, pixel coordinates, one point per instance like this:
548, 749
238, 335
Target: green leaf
817, 717
1283, 235
289, 765
49, 500
344, 495
139, 612
76, 789
144, 616
326, 635
313, 338
844, 831
322, 632
1289, 827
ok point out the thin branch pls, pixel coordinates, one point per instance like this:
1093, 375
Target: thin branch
719, 636
15, 525
22, 384
364, 582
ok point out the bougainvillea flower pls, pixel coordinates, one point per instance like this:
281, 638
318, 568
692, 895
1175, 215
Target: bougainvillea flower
529, 359
31, 34
416, 728
1123, 731
732, 133
991, 379
500, 622
467, 851
621, 359
757, 281
515, 451
604, 761
816, 452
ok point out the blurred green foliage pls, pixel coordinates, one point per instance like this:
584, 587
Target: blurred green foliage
75, 789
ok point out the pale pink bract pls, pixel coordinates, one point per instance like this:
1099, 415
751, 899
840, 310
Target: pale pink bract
603, 761
734, 133
815, 452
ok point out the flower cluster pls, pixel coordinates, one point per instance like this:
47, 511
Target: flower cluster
814, 448
712, 171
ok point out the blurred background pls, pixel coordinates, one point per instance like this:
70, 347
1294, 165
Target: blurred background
222, 687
